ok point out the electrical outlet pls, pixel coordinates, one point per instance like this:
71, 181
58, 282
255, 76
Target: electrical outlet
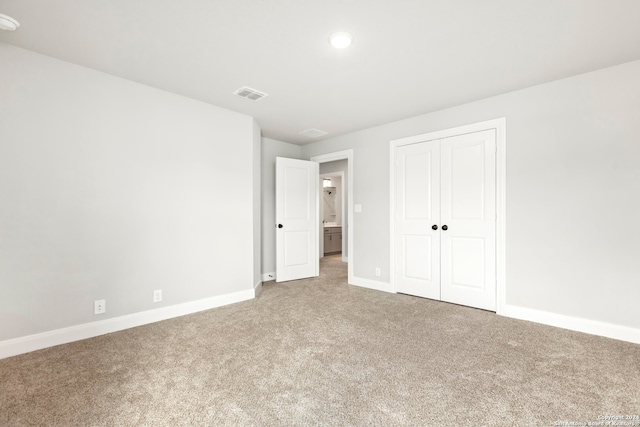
99, 306
157, 295
377, 272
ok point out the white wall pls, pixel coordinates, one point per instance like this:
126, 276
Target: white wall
573, 192
270, 150
110, 189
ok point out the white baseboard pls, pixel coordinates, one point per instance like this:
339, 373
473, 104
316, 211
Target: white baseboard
257, 289
34, 342
345, 258
371, 284
593, 327
267, 277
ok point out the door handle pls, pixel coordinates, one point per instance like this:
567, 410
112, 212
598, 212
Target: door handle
280, 225
434, 227
445, 228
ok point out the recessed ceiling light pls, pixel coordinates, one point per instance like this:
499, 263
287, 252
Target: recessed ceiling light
8, 23
341, 40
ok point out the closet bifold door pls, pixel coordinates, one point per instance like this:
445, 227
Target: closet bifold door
468, 210
417, 204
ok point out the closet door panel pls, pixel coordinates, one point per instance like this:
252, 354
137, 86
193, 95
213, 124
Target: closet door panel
468, 183
417, 245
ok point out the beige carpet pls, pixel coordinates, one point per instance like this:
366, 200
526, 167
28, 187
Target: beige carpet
319, 352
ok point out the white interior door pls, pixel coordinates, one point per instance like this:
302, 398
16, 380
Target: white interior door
296, 219
468, 206
417, 244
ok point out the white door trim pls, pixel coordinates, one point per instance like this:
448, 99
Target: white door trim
501, 167
344, 155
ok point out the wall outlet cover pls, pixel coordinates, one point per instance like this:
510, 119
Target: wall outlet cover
157, 295
99, 306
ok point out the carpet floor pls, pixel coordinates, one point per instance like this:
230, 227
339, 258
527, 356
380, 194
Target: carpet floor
319, 352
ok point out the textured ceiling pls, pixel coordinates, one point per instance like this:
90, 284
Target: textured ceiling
408, 57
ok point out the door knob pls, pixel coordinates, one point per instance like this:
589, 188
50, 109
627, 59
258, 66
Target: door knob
280, 225
434, 227
445, 228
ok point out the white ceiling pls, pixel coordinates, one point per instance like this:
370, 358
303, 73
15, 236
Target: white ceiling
409, 57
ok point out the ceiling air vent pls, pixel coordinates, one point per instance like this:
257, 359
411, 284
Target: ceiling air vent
252, 94
312, 133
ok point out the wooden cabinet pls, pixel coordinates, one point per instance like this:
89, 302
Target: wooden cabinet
332, 240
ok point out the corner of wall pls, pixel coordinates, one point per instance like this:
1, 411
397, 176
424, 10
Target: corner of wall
256, 150
270, 149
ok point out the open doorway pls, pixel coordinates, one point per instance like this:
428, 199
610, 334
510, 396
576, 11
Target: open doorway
337, 226
333, 210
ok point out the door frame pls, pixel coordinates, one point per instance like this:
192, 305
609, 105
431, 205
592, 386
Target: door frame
348, 156
499, 125
343, 210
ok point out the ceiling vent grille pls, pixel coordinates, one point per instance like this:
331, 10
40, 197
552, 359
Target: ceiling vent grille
313, 133
252, 94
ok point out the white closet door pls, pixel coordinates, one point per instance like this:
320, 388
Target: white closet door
417, 245
468, 211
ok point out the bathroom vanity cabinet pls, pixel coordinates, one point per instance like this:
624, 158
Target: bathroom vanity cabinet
332, 240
